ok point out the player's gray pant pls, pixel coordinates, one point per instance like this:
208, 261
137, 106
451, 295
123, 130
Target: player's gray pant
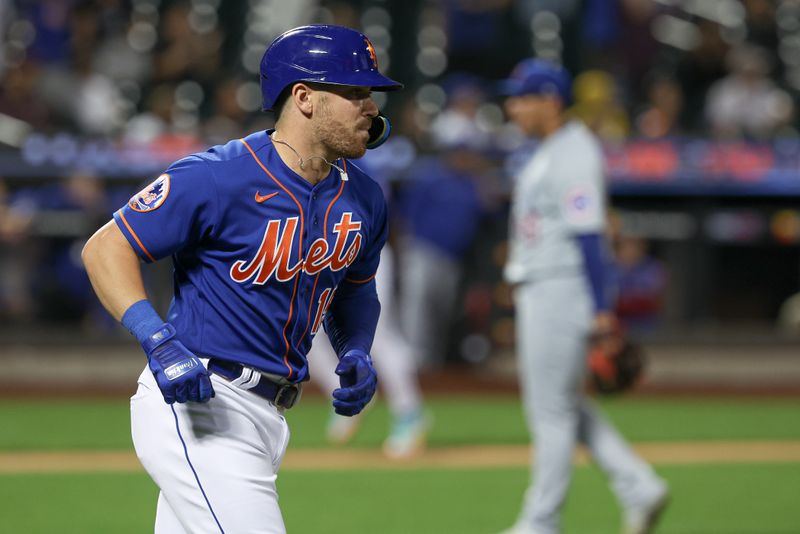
429, 289
553, 319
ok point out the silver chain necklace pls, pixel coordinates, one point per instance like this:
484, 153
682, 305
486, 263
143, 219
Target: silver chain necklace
302, 162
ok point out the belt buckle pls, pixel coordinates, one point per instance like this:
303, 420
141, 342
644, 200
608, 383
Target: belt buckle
287, 396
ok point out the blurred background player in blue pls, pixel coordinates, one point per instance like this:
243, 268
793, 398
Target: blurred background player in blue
396, 365
440, 206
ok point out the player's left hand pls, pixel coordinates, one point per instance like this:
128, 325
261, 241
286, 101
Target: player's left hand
358, 380
180, 375
615, 363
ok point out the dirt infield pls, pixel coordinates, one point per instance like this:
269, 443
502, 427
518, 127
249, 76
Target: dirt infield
467, 457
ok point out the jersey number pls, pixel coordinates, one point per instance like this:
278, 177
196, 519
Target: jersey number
324, 303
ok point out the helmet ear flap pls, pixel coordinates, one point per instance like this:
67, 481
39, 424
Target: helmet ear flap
379, 131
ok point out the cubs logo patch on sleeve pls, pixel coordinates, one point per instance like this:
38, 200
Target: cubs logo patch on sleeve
581, 204
151, 197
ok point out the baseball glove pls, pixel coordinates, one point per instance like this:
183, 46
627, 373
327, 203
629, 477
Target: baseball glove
616, 364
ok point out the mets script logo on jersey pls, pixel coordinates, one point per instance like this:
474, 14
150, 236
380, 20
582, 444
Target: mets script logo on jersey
275, 256
152, 196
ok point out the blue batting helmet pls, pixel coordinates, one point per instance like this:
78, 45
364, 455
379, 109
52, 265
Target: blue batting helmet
320, 53
538, 77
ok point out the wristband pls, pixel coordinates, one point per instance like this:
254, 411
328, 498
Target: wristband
142, 320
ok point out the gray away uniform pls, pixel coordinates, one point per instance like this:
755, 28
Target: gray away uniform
560, 193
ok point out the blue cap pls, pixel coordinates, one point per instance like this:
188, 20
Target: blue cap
538, 77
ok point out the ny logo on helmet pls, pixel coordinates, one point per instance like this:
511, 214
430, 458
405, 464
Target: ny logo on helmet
371, 50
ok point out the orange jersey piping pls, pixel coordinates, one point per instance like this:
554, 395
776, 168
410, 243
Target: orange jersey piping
364, 281
135, 237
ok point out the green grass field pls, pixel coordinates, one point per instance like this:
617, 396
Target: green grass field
735, 498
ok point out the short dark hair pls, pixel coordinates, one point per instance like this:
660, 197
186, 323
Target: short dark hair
280, 103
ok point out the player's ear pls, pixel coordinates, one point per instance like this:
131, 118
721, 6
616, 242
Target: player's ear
556, 104
301, 95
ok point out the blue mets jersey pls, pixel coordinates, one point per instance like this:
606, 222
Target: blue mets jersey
259, 252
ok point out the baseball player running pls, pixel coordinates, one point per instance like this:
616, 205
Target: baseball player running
272, 236
556, 266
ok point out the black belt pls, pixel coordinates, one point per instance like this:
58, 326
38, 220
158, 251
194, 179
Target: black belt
282, 395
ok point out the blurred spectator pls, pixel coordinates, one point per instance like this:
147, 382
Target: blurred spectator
637, 50
19, 96
698, 69
97, 107
228, 120
457, 124
410, 122
789, 316
389, 164
483, 37
117, 59
342, 13
51, 23
156, 116
88, 100
640, 281
64, 215
597, 105
618, 38
661, 115
184, 53
746, 102
600, 25
762, 30
16, 302
162, 126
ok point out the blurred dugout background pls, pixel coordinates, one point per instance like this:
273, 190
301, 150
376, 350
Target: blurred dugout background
695, 100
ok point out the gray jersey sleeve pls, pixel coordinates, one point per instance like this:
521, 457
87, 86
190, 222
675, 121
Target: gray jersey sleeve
580, 188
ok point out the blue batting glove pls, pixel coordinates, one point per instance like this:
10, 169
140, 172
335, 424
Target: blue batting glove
358, 380
180, 375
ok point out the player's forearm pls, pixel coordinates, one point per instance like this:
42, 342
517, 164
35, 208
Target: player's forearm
591, 247
114, 270
352, 318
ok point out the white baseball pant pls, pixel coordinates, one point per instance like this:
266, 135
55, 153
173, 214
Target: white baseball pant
215, 463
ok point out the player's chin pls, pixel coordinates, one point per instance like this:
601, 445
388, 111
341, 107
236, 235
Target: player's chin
357, 146
358, 152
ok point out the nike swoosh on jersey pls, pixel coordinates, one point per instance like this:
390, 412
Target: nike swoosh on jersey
264, 198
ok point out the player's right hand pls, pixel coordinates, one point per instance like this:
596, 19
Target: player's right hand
180, 375
358, 380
